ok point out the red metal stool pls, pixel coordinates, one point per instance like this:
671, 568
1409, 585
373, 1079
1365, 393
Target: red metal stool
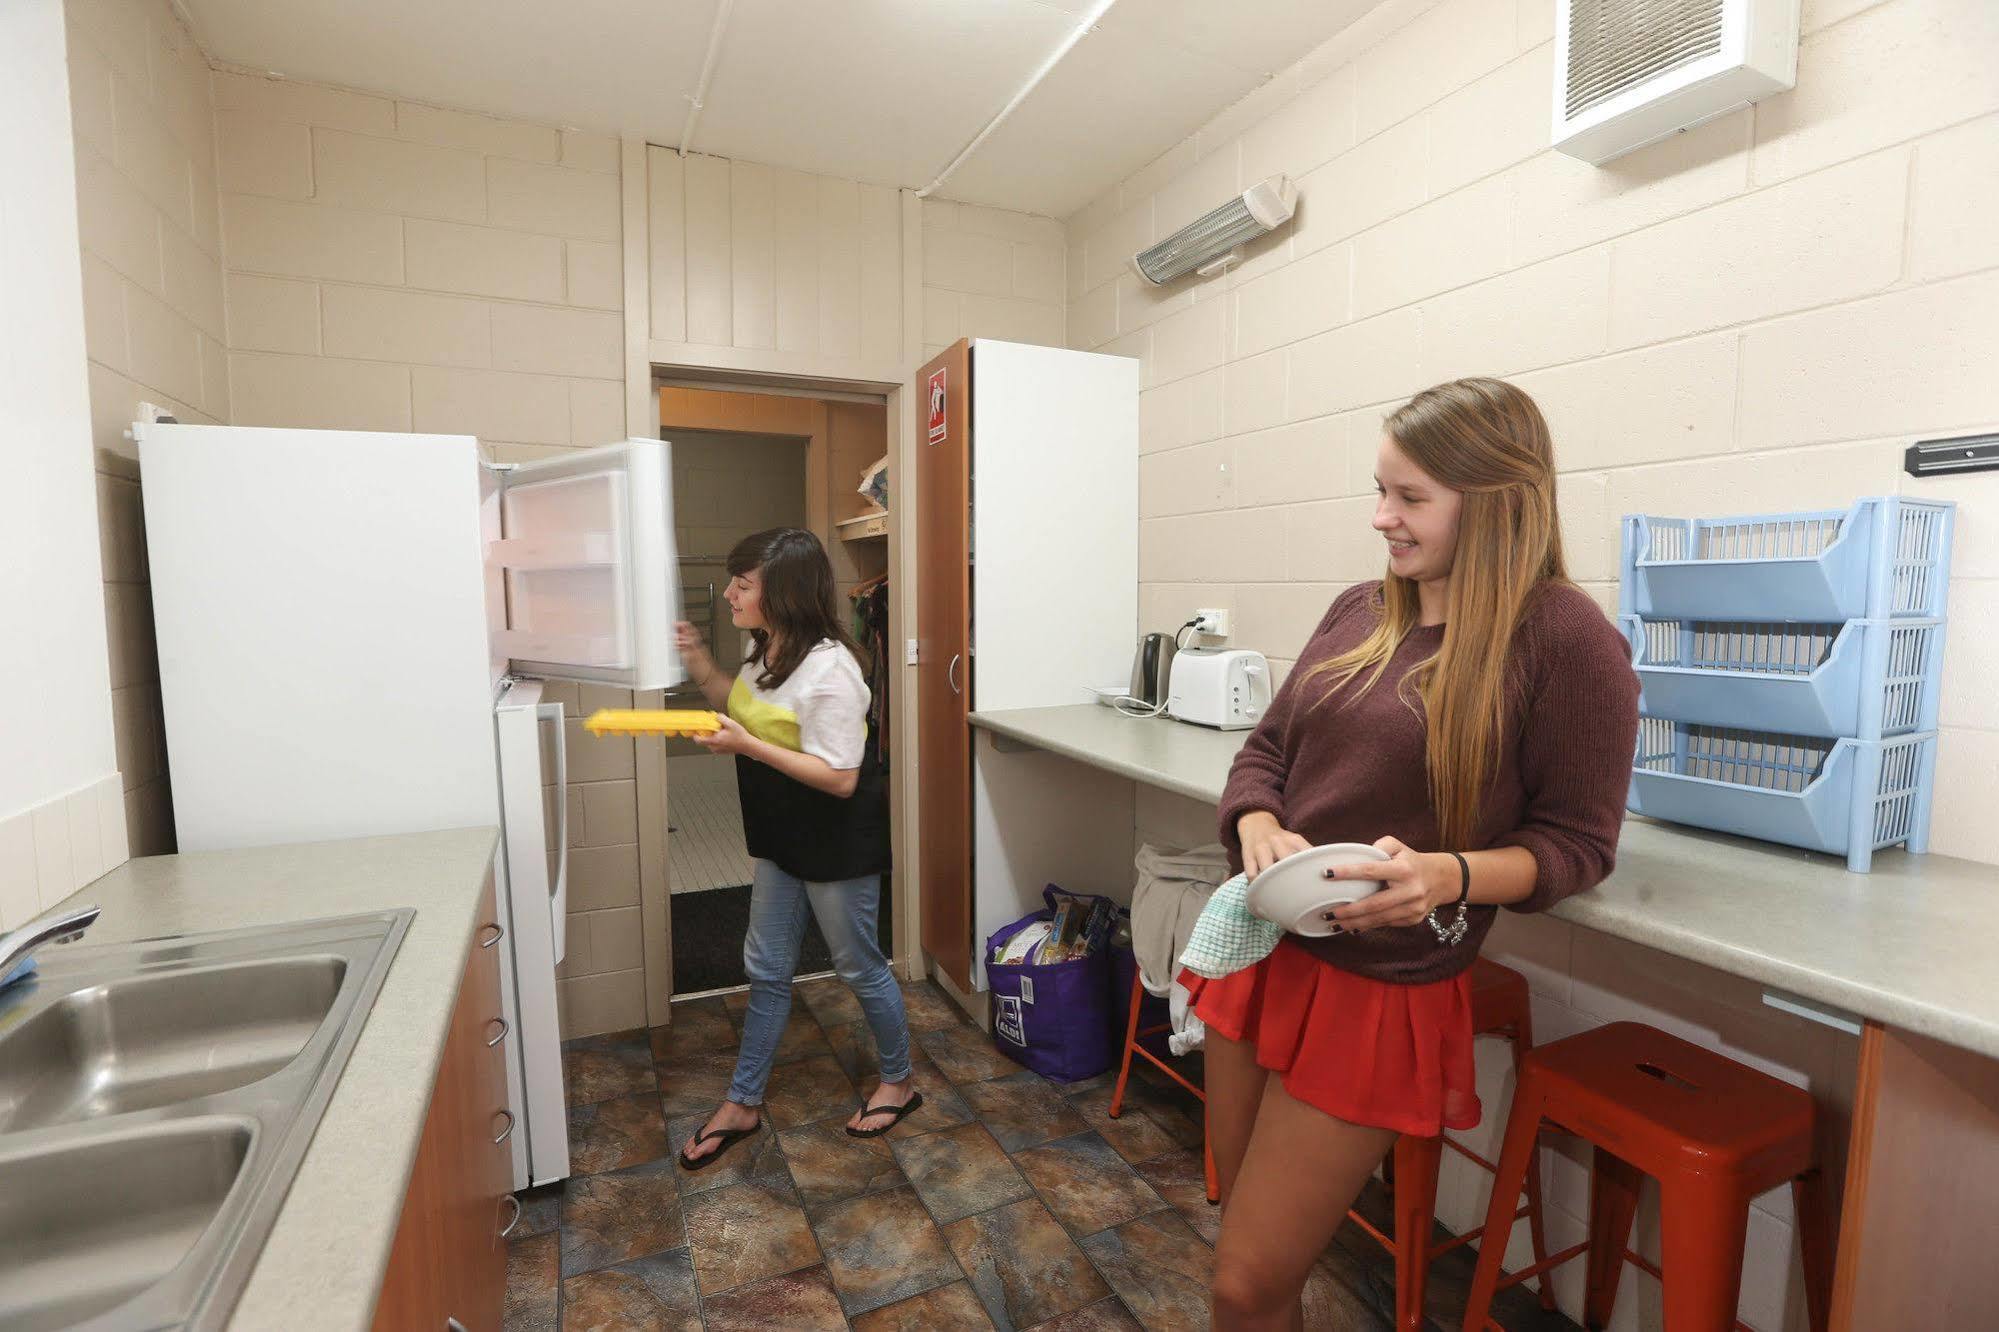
1713, 1132
1132, 1037
1499, 1007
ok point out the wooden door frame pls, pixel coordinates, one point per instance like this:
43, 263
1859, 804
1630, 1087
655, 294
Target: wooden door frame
655, 879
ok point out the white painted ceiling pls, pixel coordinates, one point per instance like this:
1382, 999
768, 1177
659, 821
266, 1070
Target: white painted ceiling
886, 91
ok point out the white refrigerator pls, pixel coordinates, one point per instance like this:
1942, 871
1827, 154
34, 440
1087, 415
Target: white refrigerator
352, 630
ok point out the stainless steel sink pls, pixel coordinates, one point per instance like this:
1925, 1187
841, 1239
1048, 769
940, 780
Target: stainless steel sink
90, 1224
155, 1101
153, 1040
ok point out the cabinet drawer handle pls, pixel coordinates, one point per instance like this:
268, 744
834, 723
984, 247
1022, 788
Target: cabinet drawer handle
497, 934
453, 1325
509, 1228
500, 1035
508, 1131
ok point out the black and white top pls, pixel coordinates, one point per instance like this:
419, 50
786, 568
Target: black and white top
822, 710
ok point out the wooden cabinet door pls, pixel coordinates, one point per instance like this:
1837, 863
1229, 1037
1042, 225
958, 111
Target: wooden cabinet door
412, 1296
943, 499
449, 1261
490, 1167
474, 1100
1919, 1208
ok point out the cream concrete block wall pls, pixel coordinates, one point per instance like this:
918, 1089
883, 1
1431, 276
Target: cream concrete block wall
402, 267
600, 984
140, 94
1757, 315
1690, 316
988, 273
395, 266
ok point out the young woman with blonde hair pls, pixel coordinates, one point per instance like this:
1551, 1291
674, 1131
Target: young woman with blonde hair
1472, 714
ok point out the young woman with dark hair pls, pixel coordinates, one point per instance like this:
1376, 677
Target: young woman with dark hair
815, 817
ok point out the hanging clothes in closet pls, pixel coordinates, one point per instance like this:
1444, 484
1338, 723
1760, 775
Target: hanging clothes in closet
870, 601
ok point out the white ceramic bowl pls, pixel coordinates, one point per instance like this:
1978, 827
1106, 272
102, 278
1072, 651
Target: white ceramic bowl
1296, 893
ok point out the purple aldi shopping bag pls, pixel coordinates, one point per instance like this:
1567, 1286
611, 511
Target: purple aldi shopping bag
1054, 1018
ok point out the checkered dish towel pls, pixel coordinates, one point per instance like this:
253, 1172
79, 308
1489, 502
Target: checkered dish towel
1227, 937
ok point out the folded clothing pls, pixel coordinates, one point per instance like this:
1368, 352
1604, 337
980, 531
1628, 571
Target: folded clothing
1172, 888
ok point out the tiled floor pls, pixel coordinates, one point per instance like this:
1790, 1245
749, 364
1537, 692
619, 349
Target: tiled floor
706, 840
1008, 1201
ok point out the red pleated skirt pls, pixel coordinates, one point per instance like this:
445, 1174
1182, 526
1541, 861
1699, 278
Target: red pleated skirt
1367, 1051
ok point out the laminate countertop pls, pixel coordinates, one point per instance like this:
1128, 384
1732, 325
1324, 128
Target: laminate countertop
1910, 945
323, 1263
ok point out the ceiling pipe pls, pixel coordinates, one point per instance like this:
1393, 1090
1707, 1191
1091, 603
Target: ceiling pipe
1083, 29
695, 102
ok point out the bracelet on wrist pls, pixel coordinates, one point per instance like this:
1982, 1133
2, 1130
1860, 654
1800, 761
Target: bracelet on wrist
1453, 933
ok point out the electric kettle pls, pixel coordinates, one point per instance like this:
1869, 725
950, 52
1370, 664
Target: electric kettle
1152, 669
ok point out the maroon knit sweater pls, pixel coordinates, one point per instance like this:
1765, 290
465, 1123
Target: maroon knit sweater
1355, 771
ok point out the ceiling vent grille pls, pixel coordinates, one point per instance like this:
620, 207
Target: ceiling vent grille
1614, 44
1631, 72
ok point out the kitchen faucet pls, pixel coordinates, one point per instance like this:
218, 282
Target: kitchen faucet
18, 946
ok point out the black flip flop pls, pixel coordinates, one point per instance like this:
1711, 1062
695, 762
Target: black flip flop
729, 1137
913, 1103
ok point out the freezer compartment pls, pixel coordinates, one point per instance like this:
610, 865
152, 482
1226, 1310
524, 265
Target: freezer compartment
585, 555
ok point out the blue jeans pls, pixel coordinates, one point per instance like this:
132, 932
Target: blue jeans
847, 913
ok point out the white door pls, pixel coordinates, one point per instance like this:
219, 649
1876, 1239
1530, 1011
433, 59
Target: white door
1031, 404
588, 567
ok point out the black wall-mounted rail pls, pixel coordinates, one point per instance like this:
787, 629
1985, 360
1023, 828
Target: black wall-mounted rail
1964, 453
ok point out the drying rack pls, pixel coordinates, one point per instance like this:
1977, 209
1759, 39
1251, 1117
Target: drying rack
1790, 667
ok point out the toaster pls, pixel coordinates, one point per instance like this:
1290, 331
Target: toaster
1226, 688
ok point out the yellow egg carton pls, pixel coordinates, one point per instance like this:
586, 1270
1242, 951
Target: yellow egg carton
652, 721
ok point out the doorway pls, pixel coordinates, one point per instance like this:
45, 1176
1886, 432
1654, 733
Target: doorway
725, 486
745, 460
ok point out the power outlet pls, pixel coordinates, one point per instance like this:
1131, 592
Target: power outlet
1213, 623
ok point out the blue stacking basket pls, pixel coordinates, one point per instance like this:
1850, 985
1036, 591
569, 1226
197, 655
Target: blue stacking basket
1840, 796
1868, 679
1882, 558
1790, 665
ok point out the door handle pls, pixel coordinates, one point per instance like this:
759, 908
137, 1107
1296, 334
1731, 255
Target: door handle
516, 1218
508, 1131
498, 934
951, 674
552, 712
501, 1035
